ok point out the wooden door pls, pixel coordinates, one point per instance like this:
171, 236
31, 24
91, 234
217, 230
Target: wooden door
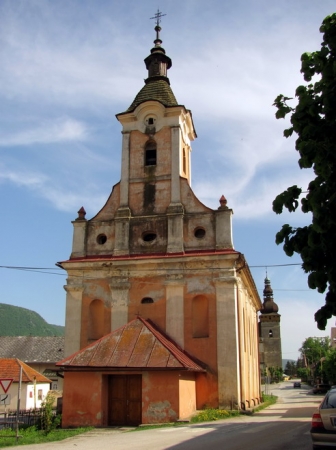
125, 399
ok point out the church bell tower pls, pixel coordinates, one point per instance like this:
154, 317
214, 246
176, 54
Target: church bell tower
270, 333
154, 251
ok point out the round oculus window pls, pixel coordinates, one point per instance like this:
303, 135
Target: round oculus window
149, 236
199, 233
101, 239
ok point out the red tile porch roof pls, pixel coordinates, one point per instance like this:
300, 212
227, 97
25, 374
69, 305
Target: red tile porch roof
10, 369
136, 345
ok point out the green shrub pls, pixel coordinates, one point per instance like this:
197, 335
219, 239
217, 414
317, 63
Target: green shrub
210, 414
48, 420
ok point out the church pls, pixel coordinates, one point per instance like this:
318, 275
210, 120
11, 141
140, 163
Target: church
161, 310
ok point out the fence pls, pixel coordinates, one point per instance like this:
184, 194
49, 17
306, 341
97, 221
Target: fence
26, 418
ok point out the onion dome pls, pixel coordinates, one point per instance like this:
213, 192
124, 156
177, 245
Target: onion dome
269, 305
157, 85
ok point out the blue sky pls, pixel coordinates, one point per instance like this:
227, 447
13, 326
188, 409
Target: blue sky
68, 66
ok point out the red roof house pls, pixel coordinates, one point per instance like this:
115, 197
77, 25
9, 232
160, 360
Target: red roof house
34, 385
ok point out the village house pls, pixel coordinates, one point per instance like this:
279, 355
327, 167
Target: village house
41, 353
161, 310
34, 386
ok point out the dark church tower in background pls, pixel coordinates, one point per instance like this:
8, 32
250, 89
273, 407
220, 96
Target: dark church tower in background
269, 332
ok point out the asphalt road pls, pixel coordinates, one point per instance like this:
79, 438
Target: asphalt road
283, 426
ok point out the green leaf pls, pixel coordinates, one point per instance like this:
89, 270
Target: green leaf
287, 133
313, 120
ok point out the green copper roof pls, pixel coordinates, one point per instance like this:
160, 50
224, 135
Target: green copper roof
158, 90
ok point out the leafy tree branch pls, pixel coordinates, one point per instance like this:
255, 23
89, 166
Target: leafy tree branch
313, 121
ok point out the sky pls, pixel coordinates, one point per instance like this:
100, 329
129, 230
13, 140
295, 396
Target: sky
69, 66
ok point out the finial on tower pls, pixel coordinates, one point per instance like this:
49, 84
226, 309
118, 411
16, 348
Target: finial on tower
81, 214
223, 203
157, 17
157, 28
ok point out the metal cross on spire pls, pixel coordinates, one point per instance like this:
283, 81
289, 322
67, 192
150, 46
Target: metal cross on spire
157, 17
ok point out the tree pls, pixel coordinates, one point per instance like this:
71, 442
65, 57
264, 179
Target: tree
313, 352
313, 119
291, 368
329, 365
303, 373
275, 373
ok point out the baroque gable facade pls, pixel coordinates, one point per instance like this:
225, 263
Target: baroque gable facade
155, 253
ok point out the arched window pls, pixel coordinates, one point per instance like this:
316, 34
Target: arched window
147, 300
270, 333
96, 320
150, 153
200, 316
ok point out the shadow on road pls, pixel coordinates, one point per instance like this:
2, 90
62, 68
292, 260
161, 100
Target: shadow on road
267, 435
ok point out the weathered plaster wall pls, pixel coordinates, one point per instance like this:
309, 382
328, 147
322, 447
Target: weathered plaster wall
95, 289
203, 348
82, 400
109, 210
187, 391
248, 343
149, 188
160, 397
148, 287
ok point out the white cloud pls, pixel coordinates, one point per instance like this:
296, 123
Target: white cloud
60, 130
30, 180
57, 193
92, 201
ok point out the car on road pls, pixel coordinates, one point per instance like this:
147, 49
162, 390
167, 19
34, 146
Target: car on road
323, 426
321, 388
297, 384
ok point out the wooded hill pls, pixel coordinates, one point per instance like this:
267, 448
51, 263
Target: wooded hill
17, 321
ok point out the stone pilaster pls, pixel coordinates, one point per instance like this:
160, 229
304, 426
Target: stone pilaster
243, 343
124, 182
78, 239
175, 228
224, 228
175, 196
120, 299
175, 308
73, 318
227, 341
122, 223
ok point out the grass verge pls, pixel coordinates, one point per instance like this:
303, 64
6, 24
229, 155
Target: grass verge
268, 400
210, 414
33, 436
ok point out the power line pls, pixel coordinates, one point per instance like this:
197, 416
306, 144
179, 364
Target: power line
45, 270
215, 268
